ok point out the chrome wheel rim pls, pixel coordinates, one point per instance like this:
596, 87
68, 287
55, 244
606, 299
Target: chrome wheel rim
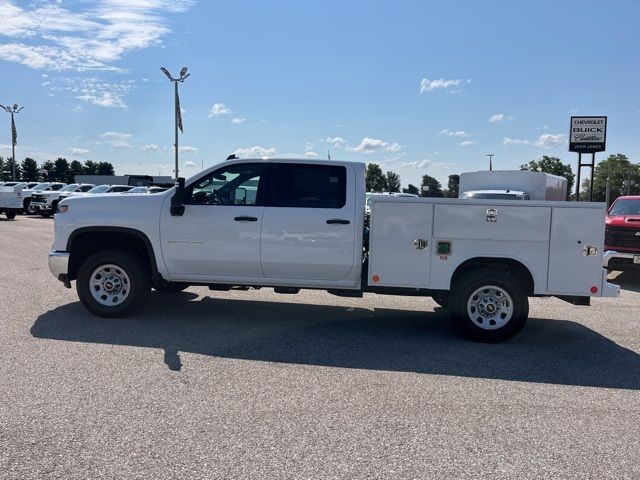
109, 285
490, 307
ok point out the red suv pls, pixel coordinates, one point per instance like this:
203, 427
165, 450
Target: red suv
622, 234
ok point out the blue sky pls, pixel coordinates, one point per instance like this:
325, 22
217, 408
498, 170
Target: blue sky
419, 87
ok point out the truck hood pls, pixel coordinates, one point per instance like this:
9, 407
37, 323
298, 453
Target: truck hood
630, 221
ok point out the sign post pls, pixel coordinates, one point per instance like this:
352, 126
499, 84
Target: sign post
587, 135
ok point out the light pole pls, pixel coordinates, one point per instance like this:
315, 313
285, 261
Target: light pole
178, 115
14, 134
490, 155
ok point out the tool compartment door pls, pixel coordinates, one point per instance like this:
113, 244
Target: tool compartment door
573, 269
394, 259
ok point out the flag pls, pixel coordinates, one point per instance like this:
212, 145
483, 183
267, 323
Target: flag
14, 132
178, 112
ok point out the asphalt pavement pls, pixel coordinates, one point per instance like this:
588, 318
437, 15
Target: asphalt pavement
254, 384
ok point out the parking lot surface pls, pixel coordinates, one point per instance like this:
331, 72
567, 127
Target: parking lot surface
258, 385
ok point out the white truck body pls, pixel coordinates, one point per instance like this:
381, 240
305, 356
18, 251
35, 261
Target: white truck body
536, 185
11, 198
416, 246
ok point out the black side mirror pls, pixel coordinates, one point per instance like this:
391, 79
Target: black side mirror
177, 201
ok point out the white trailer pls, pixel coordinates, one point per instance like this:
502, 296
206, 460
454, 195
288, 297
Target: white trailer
525, 185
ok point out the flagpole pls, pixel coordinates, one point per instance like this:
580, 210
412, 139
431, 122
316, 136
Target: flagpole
177, 112
13, 146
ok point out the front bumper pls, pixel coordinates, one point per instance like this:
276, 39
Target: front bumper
59, 266
620, 260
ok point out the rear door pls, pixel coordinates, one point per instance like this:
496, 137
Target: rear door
308, 229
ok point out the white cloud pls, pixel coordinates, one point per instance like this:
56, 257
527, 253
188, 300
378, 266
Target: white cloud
336, 142
187, 149
257, 151
116, 135
219, 109
547, 140
453, 133
427, 85
93, 90
417, 164
150, 147
189, 163
119, 144
373, 145
238, 121
499, 117
515, 141
466, 143
92, 37
310, 154
78, 151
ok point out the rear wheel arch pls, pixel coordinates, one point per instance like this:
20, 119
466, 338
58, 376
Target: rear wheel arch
512, 267
85, 241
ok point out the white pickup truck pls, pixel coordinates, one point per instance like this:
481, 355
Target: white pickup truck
295, 224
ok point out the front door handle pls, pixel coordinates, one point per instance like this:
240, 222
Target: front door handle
338, 221
246, 219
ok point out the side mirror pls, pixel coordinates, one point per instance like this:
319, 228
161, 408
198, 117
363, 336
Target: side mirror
177, 201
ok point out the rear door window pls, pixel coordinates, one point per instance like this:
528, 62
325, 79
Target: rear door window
310, 186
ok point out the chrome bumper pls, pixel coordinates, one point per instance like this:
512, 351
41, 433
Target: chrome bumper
610, 254
59, 265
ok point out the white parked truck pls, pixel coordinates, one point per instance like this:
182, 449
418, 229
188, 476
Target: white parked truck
294, 224
512, 185
46, 202
11, 198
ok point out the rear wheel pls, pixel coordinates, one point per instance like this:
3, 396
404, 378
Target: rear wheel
490, 306
113, 283
10, 215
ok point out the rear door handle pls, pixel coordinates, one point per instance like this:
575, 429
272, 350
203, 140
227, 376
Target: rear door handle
246, 219
338, 221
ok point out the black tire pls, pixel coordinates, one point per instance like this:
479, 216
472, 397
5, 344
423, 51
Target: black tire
479, 328
31, 209
441, 299
139, 282
54, 207
45, 214
25, 205
171, 287
10, 215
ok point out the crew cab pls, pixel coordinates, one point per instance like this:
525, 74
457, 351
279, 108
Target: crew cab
38, 189
293, 224
46, 203
622, 234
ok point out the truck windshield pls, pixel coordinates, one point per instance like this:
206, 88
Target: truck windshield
70, 188
41, 186
492, 196
99, 189
627, 206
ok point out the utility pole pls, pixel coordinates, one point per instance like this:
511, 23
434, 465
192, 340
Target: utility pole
14, 134
490, 155
178, 114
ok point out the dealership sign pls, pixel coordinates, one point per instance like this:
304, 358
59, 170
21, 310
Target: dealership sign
588, 134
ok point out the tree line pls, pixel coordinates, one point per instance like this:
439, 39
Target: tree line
59, 170
624, 179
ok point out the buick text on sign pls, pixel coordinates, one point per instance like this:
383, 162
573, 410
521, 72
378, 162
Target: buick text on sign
588, 134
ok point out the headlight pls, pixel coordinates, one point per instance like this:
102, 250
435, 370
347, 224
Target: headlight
63, 208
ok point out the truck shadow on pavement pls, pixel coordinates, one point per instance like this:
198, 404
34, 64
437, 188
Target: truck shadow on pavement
546, 351
629, 280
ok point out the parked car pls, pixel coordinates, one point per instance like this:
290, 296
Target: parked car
27, 194
495, 195
46, 203
109, 189
304, 229
147, 190
622, 234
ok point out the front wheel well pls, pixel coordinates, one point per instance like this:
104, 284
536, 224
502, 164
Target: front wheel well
509, 266
86, 242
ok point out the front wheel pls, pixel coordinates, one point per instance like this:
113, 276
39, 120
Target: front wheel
489, 306
113, 283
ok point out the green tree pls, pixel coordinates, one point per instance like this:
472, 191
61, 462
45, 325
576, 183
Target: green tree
30, 170
75, 169
105, 168
47, 171
453, 186
61, 169
554, 166
393, 181
375, 179
90, 167
623, 175
411, 189
2, 167
6, 175
435, 188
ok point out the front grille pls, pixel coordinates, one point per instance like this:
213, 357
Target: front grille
37, 199
622, 237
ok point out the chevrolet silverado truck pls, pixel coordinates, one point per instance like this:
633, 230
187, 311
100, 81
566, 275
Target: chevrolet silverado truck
46, 203
38, 189
622, 235
299, 224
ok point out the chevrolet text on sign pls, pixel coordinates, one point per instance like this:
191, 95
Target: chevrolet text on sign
588, 134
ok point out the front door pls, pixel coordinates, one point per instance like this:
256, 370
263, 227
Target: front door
218, 237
